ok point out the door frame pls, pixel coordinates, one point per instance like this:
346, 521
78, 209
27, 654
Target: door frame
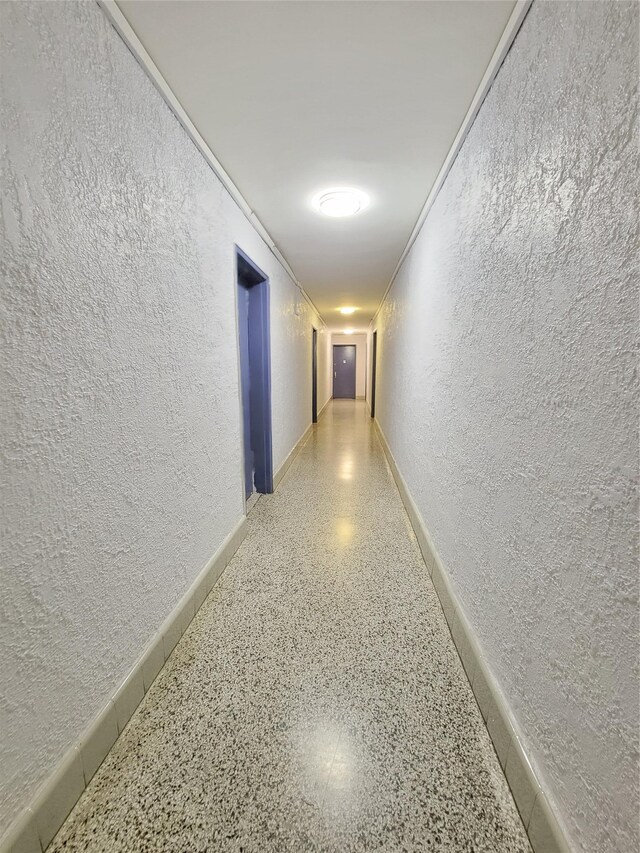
314, 375
374, 365
249, 276
355, 372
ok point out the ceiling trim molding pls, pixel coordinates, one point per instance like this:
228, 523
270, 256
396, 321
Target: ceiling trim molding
128, 35
506, 40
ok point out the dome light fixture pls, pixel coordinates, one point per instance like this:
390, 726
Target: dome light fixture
348, 331
348, 309
340, 202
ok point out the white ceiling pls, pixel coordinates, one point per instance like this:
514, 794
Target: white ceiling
294, 97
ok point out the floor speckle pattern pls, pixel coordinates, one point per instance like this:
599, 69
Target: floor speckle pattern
316, 702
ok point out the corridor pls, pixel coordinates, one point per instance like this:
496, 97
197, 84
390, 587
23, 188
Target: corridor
420, 220
317, 701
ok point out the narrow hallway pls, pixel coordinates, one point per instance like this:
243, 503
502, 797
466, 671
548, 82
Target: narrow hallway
317, 701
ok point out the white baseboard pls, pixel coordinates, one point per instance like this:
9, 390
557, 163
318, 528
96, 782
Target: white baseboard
321, 412
546, 834
282, 470
36, 825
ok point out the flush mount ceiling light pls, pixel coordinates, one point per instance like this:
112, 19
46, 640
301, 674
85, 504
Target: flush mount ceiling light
347, 310
348, 331
340, 201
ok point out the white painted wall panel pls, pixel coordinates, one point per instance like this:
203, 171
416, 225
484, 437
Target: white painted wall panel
507, 392
325, 367
120, 416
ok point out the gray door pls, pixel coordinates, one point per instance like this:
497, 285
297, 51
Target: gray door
344, 370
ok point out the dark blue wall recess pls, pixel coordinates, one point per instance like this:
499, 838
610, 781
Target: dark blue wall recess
255, 373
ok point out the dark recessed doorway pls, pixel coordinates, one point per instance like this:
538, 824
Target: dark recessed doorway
255, 374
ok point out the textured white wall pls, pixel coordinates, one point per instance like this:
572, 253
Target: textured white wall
120, 416
291, 361
360, 342
508, 396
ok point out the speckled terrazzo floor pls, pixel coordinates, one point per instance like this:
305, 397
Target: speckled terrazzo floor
317, 701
